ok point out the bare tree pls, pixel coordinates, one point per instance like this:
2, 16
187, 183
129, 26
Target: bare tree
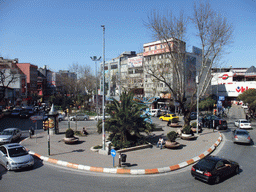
214, 34
7, 77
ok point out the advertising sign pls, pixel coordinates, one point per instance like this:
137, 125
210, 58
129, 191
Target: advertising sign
135, 62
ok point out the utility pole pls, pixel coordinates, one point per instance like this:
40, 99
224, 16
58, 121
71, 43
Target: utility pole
103, 95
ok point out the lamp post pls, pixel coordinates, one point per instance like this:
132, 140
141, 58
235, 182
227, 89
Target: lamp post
103, 95
197, 103
94, 58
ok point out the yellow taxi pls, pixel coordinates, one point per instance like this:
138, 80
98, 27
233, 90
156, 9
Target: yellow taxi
168, 117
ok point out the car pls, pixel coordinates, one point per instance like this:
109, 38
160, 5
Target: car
79, 117
14, 156
16, 112
168, 117
212, 121
60, 117
193, 115
96, 118
241, 136
155, 112
245, 106
243, 124
30, 110
212, 169
24, 114
9, 135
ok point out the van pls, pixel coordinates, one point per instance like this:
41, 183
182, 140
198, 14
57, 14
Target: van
155, 112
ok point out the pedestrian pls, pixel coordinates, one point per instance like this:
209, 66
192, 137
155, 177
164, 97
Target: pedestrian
31, 132
160, 142
85, 132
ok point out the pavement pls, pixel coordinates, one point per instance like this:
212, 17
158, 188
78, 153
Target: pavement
144, 161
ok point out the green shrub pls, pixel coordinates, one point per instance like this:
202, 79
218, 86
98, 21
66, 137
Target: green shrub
194, 124
69, 133
79, 133
186, 130
172, 136
175, 120
97, 147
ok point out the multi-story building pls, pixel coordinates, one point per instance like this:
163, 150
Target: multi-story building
157, 54
117, 75
31, 79
13, 83
229, 83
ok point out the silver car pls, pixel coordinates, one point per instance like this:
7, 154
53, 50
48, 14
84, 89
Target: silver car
9, 135
14, 156
241, 136
79, 117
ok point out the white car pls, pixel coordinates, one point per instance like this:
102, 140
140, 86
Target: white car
96, 118
14, 156
243, 124
9, 135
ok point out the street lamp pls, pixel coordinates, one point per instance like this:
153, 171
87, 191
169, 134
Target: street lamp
197, 103
94, 58
103, 95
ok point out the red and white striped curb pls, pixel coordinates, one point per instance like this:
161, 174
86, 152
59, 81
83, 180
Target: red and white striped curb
131, 171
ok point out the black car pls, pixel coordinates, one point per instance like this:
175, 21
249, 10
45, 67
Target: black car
24, 114
212, 169
212, 121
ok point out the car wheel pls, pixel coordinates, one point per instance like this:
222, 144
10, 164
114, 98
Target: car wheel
217, 180
85, 119
8, 166
237, 170
72, 119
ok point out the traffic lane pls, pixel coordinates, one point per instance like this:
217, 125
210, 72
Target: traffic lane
21, 123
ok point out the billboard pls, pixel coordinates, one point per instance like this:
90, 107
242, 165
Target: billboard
135, 62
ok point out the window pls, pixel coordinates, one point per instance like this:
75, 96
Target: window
113, 66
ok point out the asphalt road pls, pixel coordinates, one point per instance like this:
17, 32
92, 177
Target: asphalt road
46, 177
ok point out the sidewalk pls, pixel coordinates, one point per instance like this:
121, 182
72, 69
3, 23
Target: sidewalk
150, 160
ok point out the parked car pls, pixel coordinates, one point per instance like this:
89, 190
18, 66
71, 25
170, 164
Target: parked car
245, 106
9, 135
14, 156
155, 112
212, 121
24, 114
168, 117
212, 169
61, 117
30, 110
241, 136
16, 112
96, 118
243, 124
79, 117
193, 115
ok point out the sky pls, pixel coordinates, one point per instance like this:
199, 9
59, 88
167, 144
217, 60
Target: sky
59, 33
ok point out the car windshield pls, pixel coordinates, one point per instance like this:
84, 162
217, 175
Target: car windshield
7, 133
16, 152
207, 164
241, 133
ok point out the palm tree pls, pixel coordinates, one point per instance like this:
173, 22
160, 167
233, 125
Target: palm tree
126, 122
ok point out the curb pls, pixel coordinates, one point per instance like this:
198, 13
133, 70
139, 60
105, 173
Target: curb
131, 171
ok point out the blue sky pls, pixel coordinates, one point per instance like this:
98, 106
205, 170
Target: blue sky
59, 33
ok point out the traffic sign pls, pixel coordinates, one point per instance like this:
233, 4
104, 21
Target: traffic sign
113, 152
